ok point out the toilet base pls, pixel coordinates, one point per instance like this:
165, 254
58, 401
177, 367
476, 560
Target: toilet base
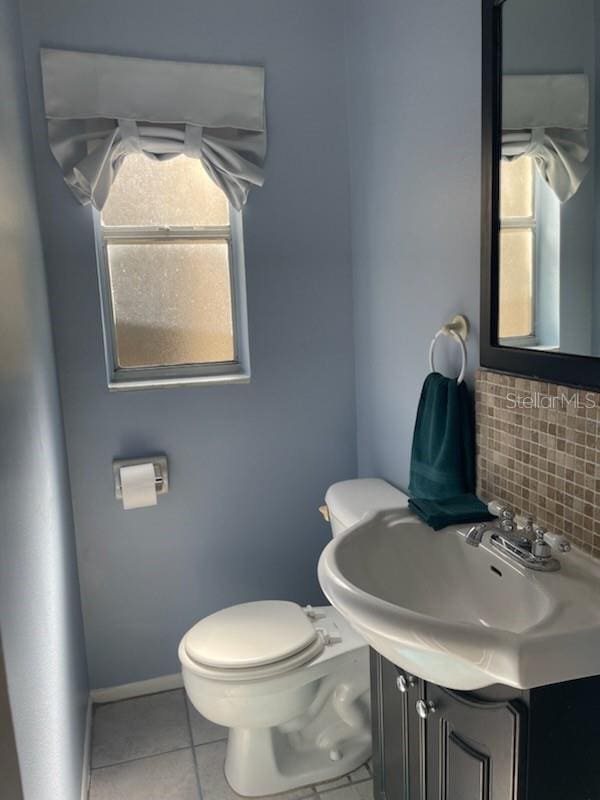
267, 761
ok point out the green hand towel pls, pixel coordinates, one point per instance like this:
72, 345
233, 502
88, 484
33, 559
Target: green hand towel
451, 511
443, 450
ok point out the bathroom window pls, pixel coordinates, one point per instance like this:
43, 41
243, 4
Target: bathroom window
517, 252
170, 257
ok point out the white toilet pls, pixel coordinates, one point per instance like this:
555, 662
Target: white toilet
291, 684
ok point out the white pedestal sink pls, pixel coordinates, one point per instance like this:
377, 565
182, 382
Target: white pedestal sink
459, 616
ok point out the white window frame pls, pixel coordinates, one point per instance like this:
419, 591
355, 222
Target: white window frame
526, 223
128, 378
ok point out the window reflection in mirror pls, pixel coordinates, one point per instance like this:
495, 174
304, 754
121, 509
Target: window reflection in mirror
517, 252
549, 247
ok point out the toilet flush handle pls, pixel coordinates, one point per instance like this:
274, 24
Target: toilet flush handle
324, 512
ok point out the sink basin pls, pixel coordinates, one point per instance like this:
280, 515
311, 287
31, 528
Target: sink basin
459, 616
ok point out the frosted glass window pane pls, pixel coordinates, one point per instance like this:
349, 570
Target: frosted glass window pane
516, 188
171, 303
516, 282
173, 192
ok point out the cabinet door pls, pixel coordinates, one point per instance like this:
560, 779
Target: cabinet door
475, 749
398, 757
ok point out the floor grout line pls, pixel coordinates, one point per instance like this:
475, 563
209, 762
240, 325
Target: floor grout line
211, 741
350, 783
142, 758
189, 724
161, 753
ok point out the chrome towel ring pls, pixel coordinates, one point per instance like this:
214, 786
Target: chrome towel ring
458, 329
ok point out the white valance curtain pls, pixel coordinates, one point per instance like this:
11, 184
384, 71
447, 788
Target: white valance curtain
100, 108
547, 117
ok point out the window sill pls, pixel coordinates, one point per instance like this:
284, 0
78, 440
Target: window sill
130, 385
518, 341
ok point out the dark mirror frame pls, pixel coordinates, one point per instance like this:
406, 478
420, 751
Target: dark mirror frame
571, 370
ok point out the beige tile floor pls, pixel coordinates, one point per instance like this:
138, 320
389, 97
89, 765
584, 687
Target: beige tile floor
158, 747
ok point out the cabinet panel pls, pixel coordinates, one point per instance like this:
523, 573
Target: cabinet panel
398, 755
474, 748
467, 771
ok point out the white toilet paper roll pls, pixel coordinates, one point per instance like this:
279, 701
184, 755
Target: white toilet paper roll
138, 486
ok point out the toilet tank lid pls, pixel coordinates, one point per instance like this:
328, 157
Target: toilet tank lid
349, 501
250, 635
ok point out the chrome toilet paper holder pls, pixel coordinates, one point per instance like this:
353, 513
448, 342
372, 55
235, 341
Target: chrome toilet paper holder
161, 472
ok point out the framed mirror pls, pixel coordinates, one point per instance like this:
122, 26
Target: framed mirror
540, 300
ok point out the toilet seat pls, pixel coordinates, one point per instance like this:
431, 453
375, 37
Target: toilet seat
240, 674
253, 641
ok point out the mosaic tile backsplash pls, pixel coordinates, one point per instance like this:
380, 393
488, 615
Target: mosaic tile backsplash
538, 449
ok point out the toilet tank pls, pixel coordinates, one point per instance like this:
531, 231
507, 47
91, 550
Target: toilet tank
347, 502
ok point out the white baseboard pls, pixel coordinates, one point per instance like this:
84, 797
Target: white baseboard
87, 752
128, 690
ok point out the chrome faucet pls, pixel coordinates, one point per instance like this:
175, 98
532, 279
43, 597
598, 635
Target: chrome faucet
505, 521
475, 532
524, 543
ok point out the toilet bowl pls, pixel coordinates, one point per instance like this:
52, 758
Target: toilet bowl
290, 683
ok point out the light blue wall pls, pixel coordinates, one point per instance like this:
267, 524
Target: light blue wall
414, 119
249, 464
40, 615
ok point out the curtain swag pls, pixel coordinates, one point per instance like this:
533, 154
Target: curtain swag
101, 108
546, 117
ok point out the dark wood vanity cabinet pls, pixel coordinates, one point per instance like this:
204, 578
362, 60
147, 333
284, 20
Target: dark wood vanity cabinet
472, 747
497, 743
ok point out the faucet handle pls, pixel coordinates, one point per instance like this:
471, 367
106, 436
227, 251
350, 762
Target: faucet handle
504, 513
557, 541
526, 523
540, 547
507, 520
497, 508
